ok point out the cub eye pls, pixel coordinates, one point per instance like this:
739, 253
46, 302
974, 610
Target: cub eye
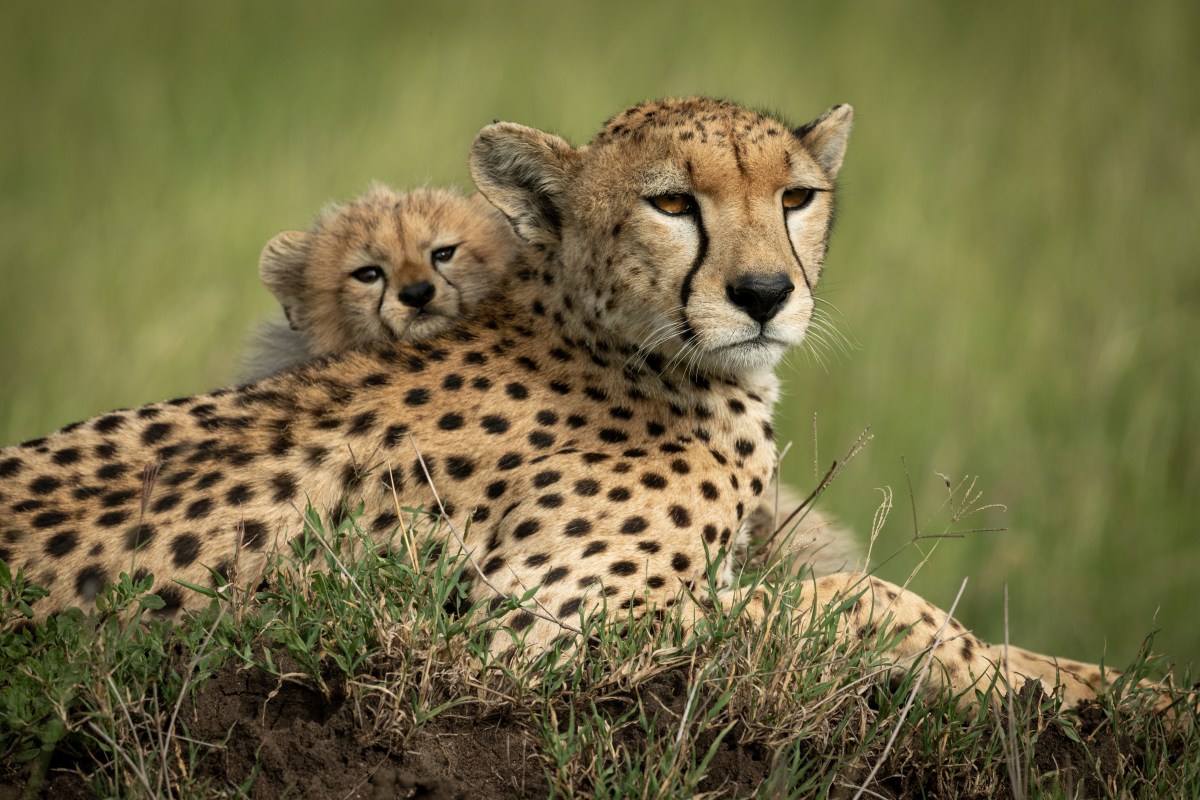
674, 204
367, 274
796, 198
443, 254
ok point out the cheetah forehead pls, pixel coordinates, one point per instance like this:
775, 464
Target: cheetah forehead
708, 145
692, 115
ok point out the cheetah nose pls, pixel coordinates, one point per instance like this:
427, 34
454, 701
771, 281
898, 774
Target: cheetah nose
760, 296
417, 294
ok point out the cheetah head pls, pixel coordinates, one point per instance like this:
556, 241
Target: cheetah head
692, 231
387, 266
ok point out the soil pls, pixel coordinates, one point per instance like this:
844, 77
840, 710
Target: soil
306, 745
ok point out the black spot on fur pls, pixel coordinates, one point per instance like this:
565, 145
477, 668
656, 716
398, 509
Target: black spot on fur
709, 491
207, 481
635, 524
139, 536
652, 480
578, 527
185, 548
199, 509
114, 499
68, 455
49, 519
494, 424
110, 471
541, 439
61, 543
526, 529
613, 435
451, 422
423, 471
361, 425
44, 484
460, 467
680, 516
239, 495
253, 534
283, 487
156, 432
510, 461
546, 478
680, 562
108, 423
623, 568
587, 487
416, 397
89, 581
395, 435
619, 494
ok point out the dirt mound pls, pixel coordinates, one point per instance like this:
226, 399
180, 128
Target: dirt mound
285, 738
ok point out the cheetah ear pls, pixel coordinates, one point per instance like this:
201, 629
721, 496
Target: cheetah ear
523, 172
281, 267
825, 137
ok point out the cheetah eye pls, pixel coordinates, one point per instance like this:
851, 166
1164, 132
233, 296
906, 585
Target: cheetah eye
794, 199
443, 254
367, 274
674, 205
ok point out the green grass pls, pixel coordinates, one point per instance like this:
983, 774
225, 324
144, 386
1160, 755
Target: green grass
641, 711
1016, 254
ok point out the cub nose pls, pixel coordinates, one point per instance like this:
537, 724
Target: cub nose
760, 296
417, 294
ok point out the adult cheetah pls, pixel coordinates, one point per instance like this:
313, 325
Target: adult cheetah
605, 419
389, 265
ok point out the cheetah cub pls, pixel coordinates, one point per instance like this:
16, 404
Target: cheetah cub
385, 266
392, 265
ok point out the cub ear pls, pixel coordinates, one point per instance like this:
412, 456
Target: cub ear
281, 267
825, 137
523, 172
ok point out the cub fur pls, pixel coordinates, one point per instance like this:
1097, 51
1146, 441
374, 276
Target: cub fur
386, 266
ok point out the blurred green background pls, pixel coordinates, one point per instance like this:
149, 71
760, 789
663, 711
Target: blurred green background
1016, 257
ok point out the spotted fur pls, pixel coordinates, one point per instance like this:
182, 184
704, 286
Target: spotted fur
328, 310
384, 266
604, 419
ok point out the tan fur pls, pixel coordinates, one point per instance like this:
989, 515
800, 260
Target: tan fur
311, 276
604, 418
329, 310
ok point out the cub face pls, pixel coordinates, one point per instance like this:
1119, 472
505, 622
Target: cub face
387, 266
700, 227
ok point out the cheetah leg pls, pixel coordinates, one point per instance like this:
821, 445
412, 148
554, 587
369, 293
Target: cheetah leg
961, 662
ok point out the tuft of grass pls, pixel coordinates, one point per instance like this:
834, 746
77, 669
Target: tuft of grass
640, 709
